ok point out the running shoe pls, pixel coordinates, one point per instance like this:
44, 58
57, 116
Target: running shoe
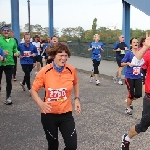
15, 79
8, 101
125, 144
131, 106
120, 82
91, 79
115, 79
128, 111
23, 87
97, 82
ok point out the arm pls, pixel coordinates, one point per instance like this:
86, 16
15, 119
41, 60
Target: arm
15, 50
76, 94
125, 60
37, 85
115, 48
90, 47
102, 47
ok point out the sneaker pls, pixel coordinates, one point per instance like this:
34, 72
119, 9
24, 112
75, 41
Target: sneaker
15, 79
131, 106
23, 87
120, 82
97, 82
128, 111
8, 101
115, 80
91, 79
125, 144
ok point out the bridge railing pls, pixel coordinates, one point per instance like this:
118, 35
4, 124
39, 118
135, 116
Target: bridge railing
81, 49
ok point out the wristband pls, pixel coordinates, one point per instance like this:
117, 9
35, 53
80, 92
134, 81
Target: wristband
77, 98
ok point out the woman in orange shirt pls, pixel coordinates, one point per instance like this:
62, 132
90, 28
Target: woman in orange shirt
58, 79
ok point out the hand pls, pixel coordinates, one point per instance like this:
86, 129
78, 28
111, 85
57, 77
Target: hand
118, 50
77, 106
147, 40
1, 58
99, 47
6, 52
33, 55
45, 106
126, 48
21, 57
16, 54
129, 64
93, 47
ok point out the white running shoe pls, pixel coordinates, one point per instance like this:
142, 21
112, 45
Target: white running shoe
23, 87
8, 101
91, 79
97, 82
120, 82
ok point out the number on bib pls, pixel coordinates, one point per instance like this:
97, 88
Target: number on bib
136, 70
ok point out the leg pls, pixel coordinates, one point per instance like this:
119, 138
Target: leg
51, 130
8, 72
130, 88
15, 68
1, 73
68, 131
141, 127
38, 63
138, 88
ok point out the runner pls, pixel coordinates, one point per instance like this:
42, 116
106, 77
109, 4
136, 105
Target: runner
27, 52
58, 79
119, 48
145, 120
38, 58
144, 67
54, 39
11, 34
9, 47
96, 47
132, 76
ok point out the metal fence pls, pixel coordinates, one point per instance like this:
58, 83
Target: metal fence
81, 49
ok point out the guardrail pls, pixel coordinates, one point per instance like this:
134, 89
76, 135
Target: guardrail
81, 49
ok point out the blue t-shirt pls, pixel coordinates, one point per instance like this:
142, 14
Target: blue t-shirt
45, 46
2, 53
131, 72
27, 51
96, 52
120, 54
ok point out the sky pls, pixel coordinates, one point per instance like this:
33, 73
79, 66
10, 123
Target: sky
74, 13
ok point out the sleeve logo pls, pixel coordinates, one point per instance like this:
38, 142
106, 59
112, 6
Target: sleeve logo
57, 94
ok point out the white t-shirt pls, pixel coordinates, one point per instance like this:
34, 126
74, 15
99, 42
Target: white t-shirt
37, 44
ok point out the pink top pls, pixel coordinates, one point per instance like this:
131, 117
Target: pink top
144, 66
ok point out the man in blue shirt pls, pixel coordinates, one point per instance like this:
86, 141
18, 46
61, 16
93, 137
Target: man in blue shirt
27, 52
96, 47
119, 48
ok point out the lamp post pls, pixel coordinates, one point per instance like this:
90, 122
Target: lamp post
28, 15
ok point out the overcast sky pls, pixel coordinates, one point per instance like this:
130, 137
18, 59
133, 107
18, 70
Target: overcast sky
73, 13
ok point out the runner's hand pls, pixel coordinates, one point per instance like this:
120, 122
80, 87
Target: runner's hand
129, 64
147, 40
16, 54
6, 52
1, 58
77, 106
21, 57
33, 55
45, 106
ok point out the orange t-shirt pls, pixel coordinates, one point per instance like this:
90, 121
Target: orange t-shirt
58, 87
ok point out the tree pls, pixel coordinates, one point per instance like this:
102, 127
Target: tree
94, 25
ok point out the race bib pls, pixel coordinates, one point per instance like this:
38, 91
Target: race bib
27, 53
57, 94
136, 70
122, 52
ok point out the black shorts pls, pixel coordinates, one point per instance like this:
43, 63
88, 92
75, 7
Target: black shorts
145, 120
143, 71
27, 67
37, 58
119, 62
134, 87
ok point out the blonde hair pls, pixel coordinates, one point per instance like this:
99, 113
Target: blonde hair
96, 35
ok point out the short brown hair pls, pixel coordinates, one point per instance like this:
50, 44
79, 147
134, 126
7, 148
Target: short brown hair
57, 48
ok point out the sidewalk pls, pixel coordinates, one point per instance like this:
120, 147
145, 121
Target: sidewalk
106, 68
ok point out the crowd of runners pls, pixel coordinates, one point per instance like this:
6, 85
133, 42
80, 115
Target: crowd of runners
56, 109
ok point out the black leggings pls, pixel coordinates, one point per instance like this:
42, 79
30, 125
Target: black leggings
8, 73
65, 123
95, 66
15, 67
27, 68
